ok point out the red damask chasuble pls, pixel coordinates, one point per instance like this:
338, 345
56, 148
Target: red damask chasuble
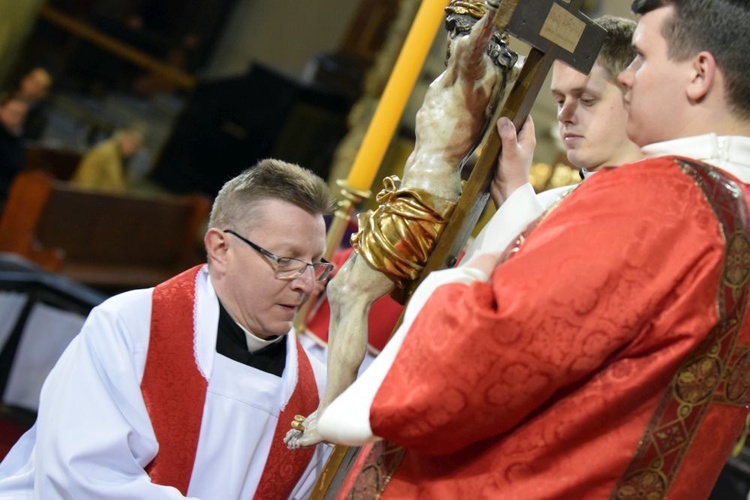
599, 361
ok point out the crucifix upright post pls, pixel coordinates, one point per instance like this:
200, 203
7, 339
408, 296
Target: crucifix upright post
555, 30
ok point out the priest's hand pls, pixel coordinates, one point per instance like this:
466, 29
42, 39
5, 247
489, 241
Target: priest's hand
514, 165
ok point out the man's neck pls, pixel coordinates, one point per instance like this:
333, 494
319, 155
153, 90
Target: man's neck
255, 343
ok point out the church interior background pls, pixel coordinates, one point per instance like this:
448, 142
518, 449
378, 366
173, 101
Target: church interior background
236, 79
219, 84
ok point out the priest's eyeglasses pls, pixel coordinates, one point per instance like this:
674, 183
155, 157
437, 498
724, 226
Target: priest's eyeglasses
288, 268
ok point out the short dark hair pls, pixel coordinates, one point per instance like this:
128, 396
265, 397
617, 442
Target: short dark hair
268, 179
717, 26
617, 52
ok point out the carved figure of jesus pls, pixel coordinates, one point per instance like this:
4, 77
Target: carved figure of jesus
394, 241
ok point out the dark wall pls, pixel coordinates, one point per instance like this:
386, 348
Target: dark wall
230, 124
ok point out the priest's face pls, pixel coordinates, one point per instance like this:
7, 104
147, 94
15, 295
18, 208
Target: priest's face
250, 290
655, 84
591, 117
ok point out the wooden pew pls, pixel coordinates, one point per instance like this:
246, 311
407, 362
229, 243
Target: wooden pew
111, 242
59, 163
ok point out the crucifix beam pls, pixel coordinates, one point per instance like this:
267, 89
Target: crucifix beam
553, 26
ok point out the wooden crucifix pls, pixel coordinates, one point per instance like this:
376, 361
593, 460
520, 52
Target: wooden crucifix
555, 29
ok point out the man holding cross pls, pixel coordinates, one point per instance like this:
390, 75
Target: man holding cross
591, 119
605, 353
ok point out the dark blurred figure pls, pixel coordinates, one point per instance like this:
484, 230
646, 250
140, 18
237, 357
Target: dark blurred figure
13, 110
34, 88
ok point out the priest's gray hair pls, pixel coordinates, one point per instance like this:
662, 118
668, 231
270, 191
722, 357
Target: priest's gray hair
237, 201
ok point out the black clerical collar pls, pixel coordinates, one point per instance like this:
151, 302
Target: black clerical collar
232, 343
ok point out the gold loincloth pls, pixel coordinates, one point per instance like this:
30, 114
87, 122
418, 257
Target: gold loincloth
397, 238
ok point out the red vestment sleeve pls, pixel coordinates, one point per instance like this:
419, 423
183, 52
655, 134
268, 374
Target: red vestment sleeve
611, 290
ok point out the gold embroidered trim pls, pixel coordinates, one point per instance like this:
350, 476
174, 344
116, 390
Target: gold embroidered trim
716, 370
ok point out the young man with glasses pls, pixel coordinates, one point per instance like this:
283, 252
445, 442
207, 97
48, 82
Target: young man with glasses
188, 388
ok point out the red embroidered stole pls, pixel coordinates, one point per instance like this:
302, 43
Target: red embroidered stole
285, 467
173, 388
175, 393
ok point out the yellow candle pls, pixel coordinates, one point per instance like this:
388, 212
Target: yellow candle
396, 93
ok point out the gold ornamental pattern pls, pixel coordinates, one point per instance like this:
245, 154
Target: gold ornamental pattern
716, 371
737, 260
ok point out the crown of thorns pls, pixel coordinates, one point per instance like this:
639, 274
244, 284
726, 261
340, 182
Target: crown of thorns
462, 15
475, 9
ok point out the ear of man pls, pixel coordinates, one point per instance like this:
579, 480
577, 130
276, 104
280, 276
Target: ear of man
216, 247
703, 78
